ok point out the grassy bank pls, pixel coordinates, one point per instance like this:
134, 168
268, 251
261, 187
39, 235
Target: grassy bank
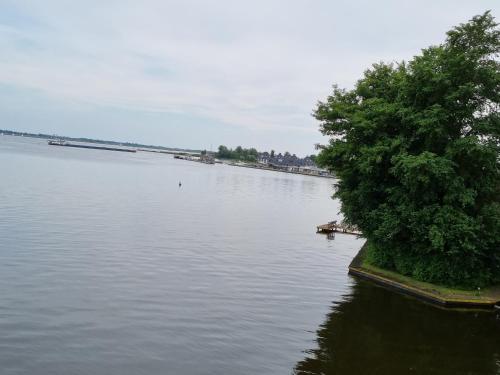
451, 297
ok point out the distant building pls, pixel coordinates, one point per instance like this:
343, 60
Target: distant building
285, 160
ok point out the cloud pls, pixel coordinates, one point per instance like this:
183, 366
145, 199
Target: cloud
258, 65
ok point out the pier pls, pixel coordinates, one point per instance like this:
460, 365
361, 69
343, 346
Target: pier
334, 227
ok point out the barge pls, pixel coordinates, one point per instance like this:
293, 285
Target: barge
93, 147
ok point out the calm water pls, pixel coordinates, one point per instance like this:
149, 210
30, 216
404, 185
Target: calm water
108, 267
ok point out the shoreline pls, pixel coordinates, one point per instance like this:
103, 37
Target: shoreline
489, 298
193, 158
276, 170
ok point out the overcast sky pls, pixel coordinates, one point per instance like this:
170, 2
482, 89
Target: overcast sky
197, 74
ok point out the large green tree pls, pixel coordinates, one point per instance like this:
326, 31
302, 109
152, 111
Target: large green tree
416, 149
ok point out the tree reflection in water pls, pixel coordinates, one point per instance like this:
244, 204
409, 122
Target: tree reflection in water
376, 331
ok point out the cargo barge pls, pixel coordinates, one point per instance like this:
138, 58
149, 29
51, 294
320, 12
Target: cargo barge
94, 147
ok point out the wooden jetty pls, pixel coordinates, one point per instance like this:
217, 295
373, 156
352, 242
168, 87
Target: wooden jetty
334, 227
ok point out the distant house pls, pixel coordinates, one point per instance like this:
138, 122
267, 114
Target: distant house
284, 160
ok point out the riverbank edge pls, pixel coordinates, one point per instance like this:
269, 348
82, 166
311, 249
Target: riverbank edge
429, 293
253, 166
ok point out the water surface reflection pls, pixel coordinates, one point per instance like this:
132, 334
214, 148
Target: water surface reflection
376, 331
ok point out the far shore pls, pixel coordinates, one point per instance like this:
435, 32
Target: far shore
189, 154
285, 169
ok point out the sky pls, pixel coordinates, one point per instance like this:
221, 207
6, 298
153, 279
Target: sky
197, 74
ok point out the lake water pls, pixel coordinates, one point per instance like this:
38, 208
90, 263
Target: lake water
107, 266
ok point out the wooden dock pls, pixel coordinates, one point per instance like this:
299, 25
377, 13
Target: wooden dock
334, 227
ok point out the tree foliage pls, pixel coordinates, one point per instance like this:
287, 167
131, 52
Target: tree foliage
245, 154
416, 148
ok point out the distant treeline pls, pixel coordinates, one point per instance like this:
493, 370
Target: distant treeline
90, 140
252, 155
239, 153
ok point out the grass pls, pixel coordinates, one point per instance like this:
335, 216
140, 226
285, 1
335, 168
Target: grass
487, 295
491, 293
